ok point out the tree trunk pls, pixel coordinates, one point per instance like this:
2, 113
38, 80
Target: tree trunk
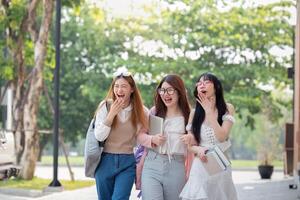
19, 93
28, 87
43, 142
31, 148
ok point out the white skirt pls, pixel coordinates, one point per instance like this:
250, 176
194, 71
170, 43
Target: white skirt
202, 186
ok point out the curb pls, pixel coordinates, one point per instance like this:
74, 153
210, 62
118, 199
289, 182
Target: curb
30, 192
23, 192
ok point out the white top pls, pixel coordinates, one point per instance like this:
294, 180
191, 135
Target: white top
208, 137
200, 184
102, 130
174, 127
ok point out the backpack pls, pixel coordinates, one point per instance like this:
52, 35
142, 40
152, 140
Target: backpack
92, 148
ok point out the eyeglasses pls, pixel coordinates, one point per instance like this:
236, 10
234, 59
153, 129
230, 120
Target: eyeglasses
206, 82
169, 91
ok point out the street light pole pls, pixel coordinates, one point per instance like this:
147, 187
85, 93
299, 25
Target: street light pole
55, 182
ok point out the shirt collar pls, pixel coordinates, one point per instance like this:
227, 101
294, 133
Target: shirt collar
128, 108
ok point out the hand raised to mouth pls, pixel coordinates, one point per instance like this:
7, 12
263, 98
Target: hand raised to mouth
117, 106
205, 102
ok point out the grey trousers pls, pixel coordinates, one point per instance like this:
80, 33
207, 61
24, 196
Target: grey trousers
162, 179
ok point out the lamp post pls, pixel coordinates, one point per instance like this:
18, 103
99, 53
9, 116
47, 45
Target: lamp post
55, 182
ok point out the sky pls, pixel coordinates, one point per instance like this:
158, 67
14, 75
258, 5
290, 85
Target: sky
134, 7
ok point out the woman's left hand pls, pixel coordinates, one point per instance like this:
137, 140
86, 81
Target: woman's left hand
187, 138
201, 152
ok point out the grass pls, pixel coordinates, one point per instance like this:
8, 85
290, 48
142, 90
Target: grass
40, 184
74, 160
78, 161
236, 164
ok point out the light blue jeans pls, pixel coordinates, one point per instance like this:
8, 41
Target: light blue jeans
162, 179
115, 176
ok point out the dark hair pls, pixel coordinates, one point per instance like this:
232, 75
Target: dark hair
176, 82
199, 111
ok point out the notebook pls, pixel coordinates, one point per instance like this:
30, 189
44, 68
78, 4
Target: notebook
155, 125
216, 161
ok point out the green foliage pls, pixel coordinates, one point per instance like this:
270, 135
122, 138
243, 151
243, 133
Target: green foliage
234, 43
72, 3
14, 36
246, 164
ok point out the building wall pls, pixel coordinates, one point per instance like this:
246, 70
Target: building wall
297, 95
8, 101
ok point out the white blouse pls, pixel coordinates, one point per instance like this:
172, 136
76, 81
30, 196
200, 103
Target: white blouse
174, 127
208, 137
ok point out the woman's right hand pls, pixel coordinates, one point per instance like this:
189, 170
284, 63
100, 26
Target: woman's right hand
158, 139
206, 103
201, 153
115, 108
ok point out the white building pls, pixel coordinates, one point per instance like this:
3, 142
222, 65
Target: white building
7, 144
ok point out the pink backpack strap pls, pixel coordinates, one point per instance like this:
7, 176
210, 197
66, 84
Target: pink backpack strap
188, 164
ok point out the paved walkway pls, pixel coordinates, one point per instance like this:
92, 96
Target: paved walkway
248, 184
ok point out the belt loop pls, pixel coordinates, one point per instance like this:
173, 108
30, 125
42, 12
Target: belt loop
153, 154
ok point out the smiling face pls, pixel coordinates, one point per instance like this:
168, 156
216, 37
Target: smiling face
206, 87
123, 90
168, 94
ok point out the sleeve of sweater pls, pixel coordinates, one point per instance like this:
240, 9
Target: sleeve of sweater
101, 130
143, 137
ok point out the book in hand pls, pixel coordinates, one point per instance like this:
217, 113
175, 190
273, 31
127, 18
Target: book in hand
155, 125
216, 161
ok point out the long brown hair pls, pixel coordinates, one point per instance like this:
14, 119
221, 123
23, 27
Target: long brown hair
176, 82
138, 114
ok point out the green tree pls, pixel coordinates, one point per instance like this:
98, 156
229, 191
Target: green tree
25, 27
234, 43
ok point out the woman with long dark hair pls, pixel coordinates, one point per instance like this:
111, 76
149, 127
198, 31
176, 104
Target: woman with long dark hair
210, 123
163, 174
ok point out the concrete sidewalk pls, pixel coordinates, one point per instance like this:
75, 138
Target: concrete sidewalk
248, 184
270, 190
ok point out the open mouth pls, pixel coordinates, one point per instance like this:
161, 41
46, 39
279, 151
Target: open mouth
203, 91
121, 96
167, 100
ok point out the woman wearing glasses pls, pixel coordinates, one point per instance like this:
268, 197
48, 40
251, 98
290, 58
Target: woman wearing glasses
210, 124
163, 175
119, 123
